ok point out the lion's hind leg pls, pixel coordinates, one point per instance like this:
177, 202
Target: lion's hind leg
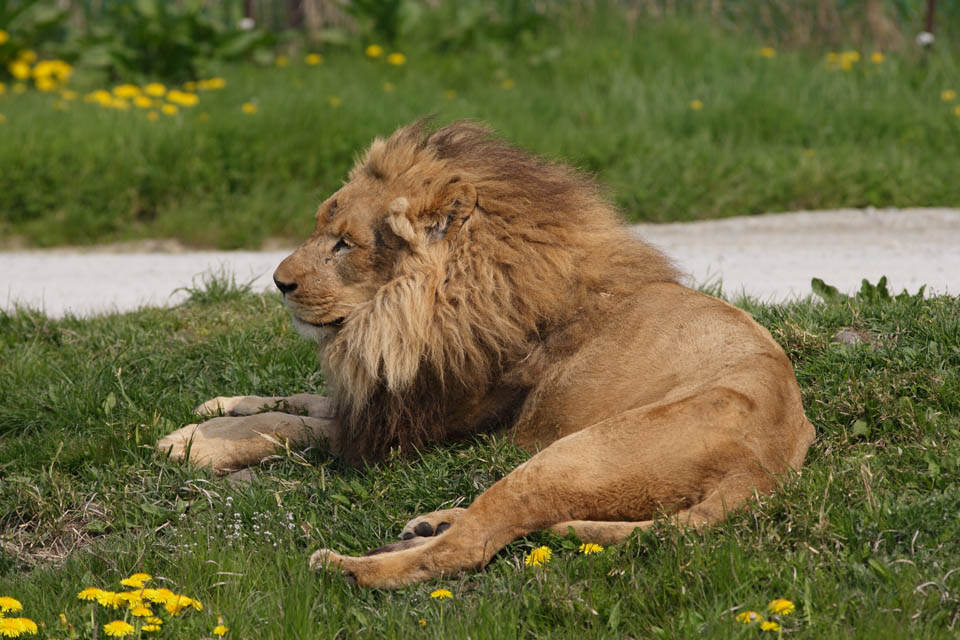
431, 524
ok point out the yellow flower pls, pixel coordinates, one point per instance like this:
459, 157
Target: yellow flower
183, 98
144, 102
440, 594
190, 86
212, 84
4, 36
19, 69
220, 630
150, 628
770, 625
118, 629
389, 87
848, 59
159, 596
46, 84
767, 52
104, 98
508, 83
956, 111
141, 611
696, 105
10, 604
948, 95
313, 59
781, 606
876, 57
3, 118
281, 61
119, 104
334, 101
249, 108
155, 89
90, 593
397, 59
27, 55
747, 617
154, 620
63, 619
126, 91
374, 51
66, 94
176, 604
539, 556
15, 627
153, 115
449, 94
423, 622
53, 69
169, 109
590, 547
110, 599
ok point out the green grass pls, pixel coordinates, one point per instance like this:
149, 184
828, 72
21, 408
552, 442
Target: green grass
774, 134
863, 540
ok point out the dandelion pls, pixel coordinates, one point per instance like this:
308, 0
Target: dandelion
948, 95
281, 61
508, 83
143, 102
781, 606
590, 547
313, 59
4, 36
848, 59
389, 87
118, 629
176, 604
132, 598
27, 55
126, 91
441, 594
155, 89
449, 94
169, 109
374, 51
153, 116
767, 52
769, 625
249, 108
876, 57
15, 627
63, 619
748, 617
539, 556
212, 84
160, 596
19, 69
334, 101
90, 593
110, 599
141, 611
220, 629
150, 628
397, 59
183, 98
696, 105
45, 84
8, 604
423, 622
190, 86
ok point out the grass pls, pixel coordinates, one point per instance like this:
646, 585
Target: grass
775, 134
863, 540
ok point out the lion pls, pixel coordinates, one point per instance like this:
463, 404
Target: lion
457, 285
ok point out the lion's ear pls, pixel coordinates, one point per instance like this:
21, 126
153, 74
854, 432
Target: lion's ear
458, 200
399, 222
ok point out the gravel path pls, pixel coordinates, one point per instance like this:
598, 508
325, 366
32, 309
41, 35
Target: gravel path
770, 257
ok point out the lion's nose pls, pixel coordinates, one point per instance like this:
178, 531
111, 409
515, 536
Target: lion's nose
285, 287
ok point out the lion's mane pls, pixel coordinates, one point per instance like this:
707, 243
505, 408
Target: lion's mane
514, 289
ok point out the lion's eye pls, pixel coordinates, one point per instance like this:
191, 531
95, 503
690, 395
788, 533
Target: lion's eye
341, 247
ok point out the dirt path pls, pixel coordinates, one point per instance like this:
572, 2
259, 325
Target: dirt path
770, 257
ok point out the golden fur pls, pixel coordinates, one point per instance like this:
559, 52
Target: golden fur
456, 284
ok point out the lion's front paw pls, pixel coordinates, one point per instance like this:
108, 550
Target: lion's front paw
431, 524
235, 406
230, 443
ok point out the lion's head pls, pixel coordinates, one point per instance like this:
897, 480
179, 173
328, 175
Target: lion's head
447, 258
